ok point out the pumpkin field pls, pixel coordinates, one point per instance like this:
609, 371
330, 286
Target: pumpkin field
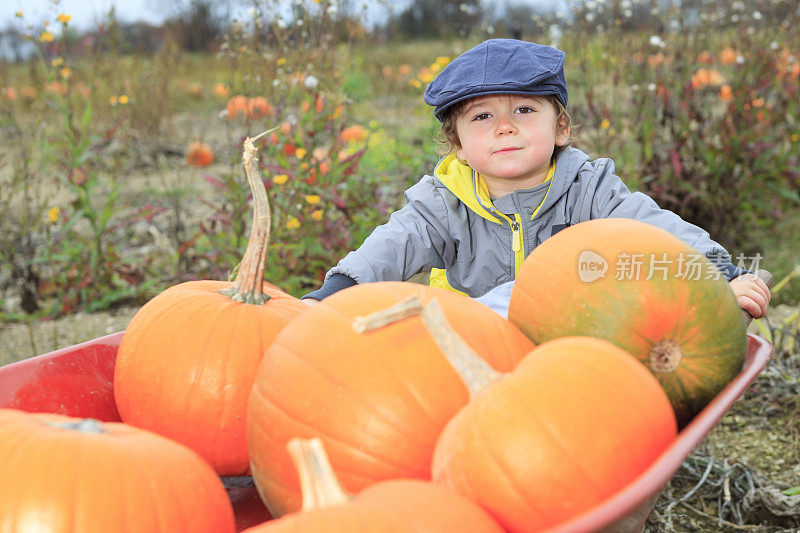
140, 173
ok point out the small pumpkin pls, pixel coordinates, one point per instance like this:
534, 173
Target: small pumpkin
199, 154
221, 90
357, 372
658, 299
258, 107
69, 475
576, 420
188, 358
238, 107
391, 506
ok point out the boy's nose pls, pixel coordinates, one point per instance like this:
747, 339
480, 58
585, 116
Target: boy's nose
505, 126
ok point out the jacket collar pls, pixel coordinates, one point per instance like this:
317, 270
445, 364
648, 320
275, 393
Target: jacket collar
469, 186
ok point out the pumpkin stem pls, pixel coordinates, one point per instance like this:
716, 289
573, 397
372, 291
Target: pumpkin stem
84, 425
476, 373
665, 356
407, 308
247, 287
318, 482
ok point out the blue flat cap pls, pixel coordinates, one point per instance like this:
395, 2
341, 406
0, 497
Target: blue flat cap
499, 66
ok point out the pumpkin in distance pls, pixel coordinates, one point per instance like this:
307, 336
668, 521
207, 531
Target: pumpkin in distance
199, 154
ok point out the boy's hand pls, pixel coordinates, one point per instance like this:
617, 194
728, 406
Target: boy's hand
752, 294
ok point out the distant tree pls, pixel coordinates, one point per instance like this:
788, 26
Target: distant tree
197, 25
440, 18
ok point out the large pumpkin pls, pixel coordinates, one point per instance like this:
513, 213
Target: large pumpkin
394, 506
68, 475
378, 399
577, 420
188, 358
644, 290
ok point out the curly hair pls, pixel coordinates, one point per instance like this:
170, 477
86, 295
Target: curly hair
447, 141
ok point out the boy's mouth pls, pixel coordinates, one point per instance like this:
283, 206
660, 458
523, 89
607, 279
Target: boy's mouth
507, 150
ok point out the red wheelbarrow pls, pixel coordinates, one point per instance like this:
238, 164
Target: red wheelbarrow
78, 381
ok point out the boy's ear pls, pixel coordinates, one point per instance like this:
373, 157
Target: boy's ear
562, 132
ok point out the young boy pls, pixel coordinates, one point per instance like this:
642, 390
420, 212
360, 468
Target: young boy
509, 182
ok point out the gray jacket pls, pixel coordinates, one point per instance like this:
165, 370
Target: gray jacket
450, 222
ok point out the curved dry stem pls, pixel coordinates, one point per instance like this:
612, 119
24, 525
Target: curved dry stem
247, 287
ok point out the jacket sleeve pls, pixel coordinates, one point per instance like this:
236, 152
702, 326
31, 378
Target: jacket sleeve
416, 238
608, 197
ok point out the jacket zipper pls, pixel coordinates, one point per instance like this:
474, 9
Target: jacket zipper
515, 244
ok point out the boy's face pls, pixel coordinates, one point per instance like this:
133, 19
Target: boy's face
509, 139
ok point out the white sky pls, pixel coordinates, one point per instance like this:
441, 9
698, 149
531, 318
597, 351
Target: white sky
87, 13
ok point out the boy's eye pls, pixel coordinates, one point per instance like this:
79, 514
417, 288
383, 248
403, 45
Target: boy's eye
482, 116
525, 109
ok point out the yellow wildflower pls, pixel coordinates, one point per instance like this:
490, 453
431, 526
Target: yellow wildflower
57, 62
112, 100
63, 18
443, 60
312, 199
317, 215
293, 223
52, 214
300, 153
19, 14
281, 61
795, 137
46, 37
280, 179
66, 73
605, 124
123, 99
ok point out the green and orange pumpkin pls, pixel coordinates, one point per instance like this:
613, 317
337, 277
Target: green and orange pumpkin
643, 289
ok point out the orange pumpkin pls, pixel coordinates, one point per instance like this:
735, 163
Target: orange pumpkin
199, 154
573, 423
377, 399
70, 475
221, 90
391, 506
188, 358
238, 107
658, 299
258, 107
